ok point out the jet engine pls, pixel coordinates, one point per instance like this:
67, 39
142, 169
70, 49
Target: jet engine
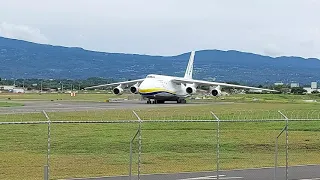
216, 91
191, 90
118, 91
134, 89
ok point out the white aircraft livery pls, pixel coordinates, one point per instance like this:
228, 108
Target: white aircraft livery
161, 88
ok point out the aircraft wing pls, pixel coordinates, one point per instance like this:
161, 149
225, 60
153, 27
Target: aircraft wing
200, 82
116, 84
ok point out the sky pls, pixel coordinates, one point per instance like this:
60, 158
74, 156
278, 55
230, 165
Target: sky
168, 27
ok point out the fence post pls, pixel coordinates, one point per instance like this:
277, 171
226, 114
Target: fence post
140, 144
287, 147
275, 160
46, 172
130, 163
47, 166
218, 143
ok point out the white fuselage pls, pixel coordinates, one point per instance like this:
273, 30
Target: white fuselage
161, 87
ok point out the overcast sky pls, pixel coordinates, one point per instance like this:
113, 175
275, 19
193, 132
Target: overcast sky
168, 27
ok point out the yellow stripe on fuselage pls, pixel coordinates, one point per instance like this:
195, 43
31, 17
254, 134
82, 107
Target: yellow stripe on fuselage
153, 90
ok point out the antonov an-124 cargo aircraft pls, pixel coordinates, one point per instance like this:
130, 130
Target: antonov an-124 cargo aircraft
161, 88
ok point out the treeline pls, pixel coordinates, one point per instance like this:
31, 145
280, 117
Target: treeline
80, 84
56, 84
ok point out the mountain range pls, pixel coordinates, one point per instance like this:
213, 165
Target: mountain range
21, 59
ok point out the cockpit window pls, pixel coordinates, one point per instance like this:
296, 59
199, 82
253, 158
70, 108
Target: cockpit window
150, 76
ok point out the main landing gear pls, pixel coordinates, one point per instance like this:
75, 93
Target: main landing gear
155, 101
181, 101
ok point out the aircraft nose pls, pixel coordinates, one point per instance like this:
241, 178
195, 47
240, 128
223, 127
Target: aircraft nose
142, 87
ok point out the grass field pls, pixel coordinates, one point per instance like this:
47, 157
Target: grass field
269, 98
224, 111
86, 150
94, 97
10, 104
101, 97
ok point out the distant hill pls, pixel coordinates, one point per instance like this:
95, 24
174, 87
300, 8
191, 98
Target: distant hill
21, 59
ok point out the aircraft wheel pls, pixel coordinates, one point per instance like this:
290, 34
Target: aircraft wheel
181, 101
148, 102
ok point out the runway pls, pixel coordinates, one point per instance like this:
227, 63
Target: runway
35, 106
308, 172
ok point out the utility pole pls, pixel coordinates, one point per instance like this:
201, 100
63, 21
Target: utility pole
41, 87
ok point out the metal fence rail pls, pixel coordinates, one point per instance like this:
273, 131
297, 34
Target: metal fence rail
152, 121
99, 114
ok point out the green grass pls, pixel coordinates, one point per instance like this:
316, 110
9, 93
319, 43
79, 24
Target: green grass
102, 96
82, 150
268, 98
223, 111
86, 150
94, 97
10, 104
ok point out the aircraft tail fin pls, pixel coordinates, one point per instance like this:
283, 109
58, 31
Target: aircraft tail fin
189, 69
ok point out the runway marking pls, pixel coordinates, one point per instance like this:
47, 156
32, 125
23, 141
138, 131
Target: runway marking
202, 177
212, 177
185, 173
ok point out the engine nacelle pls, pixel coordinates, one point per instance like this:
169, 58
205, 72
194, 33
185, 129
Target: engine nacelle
216, 91
118, 91
134, 89
191, 90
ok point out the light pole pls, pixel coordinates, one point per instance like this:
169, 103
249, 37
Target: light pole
41, 86
61, 87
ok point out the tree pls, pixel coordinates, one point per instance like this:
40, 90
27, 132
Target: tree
298, 90
281, 88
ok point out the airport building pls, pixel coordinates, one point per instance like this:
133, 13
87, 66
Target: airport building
310, 90
18, 90
278, 83
314, 85
2, 87
292, 85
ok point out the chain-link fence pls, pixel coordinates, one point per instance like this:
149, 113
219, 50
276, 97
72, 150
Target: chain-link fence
82, 144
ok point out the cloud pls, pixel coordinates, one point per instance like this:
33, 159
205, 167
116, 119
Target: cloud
22, 32
272, 50
166, 27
